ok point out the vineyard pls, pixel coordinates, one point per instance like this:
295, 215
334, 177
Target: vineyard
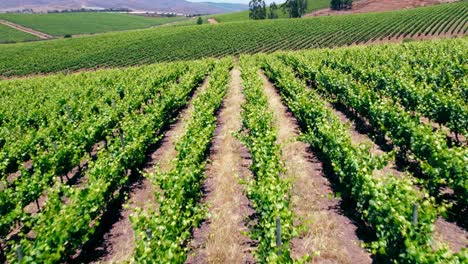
84, 23
386, 126
196, 42
9, 35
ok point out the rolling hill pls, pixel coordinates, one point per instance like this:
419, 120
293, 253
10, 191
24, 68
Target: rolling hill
176, 6
195, 42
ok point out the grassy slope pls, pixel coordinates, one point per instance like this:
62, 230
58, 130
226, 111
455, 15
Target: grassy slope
194, 42
84, 23
10, 35
244, 15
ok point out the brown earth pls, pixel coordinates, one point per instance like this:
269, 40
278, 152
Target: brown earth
446, 233
366, 6
38, 34
212, 21
117, 245
222, 237
329, 235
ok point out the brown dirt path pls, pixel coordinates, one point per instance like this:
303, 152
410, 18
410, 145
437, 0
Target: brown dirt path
220, 238
366, 6
330, 237
117, 245
212, 21
38, 34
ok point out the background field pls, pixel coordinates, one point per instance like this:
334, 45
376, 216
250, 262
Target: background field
84, 23
194, 42
241, 16
9, 35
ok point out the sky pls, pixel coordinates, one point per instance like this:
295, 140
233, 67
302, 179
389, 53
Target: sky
235, 1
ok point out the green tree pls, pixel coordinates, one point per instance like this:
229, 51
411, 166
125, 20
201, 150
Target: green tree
295, 8
257, 9
273, 9
199, 21
341, 4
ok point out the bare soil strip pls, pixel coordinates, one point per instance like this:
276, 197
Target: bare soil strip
213, 21
330, 237
220, 238
446, 232
38, 34
117, 244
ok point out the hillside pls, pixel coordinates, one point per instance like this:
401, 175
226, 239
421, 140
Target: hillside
10, 35
312, 5
85, 22
177, 6
339, 155
194, 42
366, 6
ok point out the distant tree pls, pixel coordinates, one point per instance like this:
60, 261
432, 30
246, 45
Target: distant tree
295, 8
273, 9
199, 21
257, 9
341, 4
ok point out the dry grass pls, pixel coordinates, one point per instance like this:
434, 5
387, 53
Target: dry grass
223, 244
321, 235
121, 236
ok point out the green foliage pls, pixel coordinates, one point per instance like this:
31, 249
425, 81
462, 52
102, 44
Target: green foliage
341, 4
441, 164
61, 228
11, 35
269, 193
295, 8
161, 236
199, 21
194, 42
257, 9
84, 23
272, 12
385, 203
312, 5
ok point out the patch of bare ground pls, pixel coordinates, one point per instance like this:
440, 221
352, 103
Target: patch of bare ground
328, 236
366, 6
221, 238
213, 21
455, 236
116, 245
447, 232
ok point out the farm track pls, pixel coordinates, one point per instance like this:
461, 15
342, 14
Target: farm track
363, 133
330, 236
220, 239
38, 34
117, 243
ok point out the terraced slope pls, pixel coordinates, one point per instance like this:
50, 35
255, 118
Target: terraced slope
194, 42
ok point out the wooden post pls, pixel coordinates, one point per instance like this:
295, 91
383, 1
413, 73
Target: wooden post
415, 214
149, 233
19, 253
122, 140
278, 235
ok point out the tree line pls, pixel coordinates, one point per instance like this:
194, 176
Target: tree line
258, 9
294, 8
